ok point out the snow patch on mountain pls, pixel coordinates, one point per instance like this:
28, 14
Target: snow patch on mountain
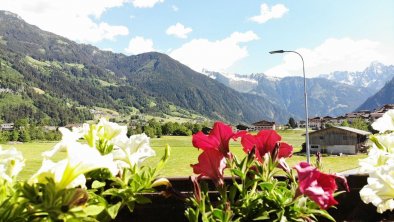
373, 77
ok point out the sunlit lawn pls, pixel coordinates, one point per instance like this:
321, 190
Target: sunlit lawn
183, 154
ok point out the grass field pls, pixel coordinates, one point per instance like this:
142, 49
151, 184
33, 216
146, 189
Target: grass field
183, 154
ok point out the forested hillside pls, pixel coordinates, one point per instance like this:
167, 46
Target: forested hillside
45, 76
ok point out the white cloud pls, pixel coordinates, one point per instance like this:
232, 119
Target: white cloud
276, 11
145, 3
71, 19
174, 8
138, 45
178, 30
214, 55
333, 55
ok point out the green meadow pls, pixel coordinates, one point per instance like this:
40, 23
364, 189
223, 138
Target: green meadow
183, 154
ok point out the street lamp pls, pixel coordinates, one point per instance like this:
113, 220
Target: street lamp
308, 153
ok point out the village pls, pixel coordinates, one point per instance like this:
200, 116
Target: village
329, 134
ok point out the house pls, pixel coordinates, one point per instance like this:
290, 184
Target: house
340, 120
315, 123
363, 114
243, 127
6, 126
301, 123
72, 125
377, 113
338, 139
263, 125
50, 128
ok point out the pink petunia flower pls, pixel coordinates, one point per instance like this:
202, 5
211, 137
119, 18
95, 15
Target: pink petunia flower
318, 186
211, 164
265, 142
218, 139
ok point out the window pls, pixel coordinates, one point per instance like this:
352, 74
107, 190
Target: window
321, 137
344, 137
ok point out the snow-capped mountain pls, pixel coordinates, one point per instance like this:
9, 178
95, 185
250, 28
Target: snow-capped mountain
239, 82
383, 96
333, 94
373, 77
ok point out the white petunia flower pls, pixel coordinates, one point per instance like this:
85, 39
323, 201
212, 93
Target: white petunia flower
380, 189
133, 150
70, 172
104, 131
109, 130
385, 123
11, 163
376, 158
386, 141
67, 137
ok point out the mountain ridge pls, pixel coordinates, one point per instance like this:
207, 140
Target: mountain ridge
384, 96
84, 75
326, 97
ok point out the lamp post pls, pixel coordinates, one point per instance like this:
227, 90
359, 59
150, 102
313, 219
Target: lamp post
308, 153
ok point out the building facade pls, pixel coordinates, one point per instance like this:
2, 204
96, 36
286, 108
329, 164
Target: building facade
338, 139
263, 125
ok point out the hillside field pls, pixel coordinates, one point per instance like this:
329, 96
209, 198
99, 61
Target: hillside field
183, 154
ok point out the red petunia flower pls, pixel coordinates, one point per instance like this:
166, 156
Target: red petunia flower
265, 142
218, 139
211, 164
318, 186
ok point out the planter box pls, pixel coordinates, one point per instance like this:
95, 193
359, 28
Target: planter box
350, 208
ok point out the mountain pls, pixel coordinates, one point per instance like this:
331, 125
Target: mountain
240, 83
372, 78
383, 96
41, 68
325, 97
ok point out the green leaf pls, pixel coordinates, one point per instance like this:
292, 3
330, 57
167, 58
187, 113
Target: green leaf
218, 214
113, 210
232, 193
266, 186
263, 217
93, 210
97, 184
140, 199
324, 214
238, 172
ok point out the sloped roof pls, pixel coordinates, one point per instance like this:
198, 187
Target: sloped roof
263, 122
350, 129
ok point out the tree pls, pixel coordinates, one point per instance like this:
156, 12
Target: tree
359, 123
4, 136
15, 135
345, 123
149, 131
167, 128
292, 123
25, 135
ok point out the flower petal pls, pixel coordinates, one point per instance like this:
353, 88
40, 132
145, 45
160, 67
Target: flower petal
211, 163
318, 186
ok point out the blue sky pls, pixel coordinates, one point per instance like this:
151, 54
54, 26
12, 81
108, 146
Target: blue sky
230, 36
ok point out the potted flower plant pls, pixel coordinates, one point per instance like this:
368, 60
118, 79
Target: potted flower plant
97, 179
254, 192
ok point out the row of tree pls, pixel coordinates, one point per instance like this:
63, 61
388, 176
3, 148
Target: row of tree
27, 134
153, 128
